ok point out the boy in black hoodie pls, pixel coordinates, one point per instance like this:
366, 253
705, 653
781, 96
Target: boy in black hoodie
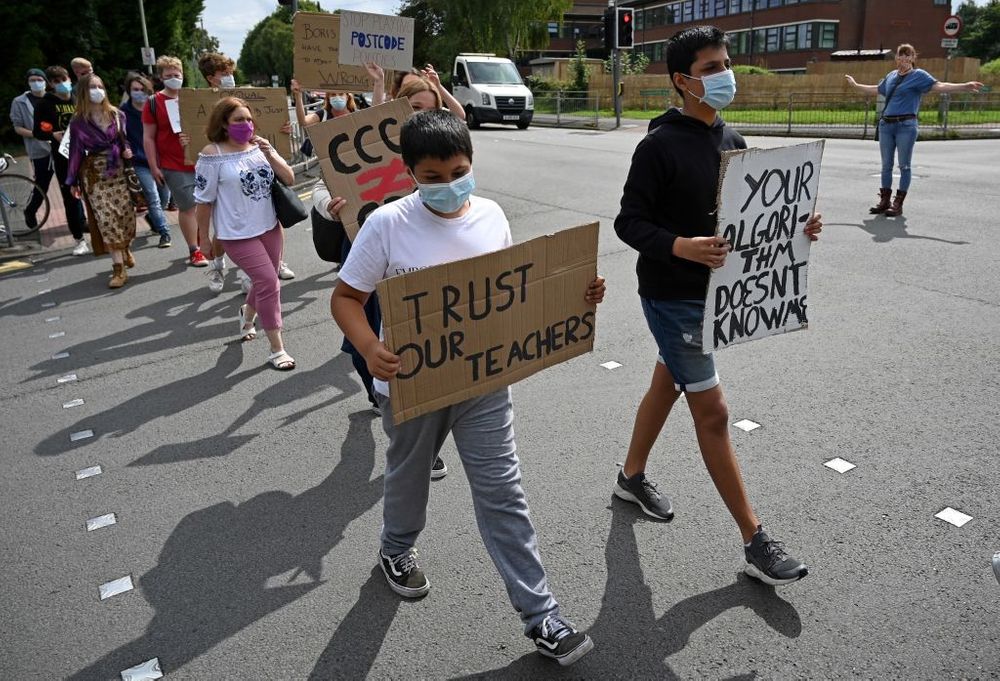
668, 214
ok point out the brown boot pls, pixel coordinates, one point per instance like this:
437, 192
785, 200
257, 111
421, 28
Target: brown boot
897, 205
884, 194
118, 276
129, 258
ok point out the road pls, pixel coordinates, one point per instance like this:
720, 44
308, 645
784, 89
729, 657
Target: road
248, 502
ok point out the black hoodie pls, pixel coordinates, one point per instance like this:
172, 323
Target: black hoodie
671, 191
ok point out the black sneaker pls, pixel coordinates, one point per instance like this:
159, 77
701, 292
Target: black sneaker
641, 490
768, 562
164, 240
558, 639
404, 575
439, 469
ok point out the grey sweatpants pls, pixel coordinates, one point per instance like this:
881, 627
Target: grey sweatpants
483, 428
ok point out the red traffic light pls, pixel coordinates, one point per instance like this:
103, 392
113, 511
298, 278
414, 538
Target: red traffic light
627, 18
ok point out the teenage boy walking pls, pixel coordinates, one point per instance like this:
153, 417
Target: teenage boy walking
439, 223
668, 214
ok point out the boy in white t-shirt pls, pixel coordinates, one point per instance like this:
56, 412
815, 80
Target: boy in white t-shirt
439, 223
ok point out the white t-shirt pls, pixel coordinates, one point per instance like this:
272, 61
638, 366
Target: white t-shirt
404, 236
239, 184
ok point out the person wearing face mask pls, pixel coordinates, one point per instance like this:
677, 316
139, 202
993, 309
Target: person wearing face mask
22, 115
138, 90
429, 75
903, 89
668, 214
51, 120
233, 177
97, 150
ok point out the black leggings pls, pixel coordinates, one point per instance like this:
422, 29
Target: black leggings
74, 207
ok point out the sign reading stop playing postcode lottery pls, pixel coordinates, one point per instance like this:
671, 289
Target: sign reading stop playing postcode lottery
952, 26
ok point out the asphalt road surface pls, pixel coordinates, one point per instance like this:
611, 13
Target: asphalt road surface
248, 501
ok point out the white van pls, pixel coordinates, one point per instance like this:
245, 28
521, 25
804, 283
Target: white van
491, 91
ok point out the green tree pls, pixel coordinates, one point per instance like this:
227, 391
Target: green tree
981, 30
268, 47
578, 68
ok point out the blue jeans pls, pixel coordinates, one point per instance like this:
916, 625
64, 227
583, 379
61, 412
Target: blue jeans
892, 138
154, 199
676, 328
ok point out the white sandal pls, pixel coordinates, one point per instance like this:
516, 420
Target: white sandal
281, 360
245, 333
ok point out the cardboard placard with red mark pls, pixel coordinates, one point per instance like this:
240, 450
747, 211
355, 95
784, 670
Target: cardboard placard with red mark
359, 157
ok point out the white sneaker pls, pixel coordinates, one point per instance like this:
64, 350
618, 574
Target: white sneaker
244, 280
284, 271
81, 247
215, 280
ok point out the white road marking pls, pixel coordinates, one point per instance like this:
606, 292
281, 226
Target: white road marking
147, 671
611, 365
57, 334
60, 355
88, 472
839, 465
101, 521
950, 515
115, 587
746, 425
78, 402
81, 435
68, 378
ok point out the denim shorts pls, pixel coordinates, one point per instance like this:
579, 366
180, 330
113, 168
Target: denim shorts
676, 327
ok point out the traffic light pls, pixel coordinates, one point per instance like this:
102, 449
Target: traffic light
624, 37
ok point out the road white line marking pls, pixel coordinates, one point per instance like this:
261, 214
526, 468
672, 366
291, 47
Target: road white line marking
78, 402
950, 515
611, 365
147, 671
44, 291
57, 334
42, 280
81, 435
60, 355
115, 587
746, 425
68, 378
88, 472
839, 465
101, 521
49, 304
49, 320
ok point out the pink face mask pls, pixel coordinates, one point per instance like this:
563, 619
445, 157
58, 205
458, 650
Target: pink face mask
241, 132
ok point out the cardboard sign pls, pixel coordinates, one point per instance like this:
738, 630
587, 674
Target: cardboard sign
359, 157
269, 107
765, 199
473, 326
384, 39
316, 63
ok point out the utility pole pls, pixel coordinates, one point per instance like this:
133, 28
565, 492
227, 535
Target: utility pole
145, 35
616, 62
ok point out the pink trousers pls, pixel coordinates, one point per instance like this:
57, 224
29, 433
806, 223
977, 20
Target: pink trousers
259, 256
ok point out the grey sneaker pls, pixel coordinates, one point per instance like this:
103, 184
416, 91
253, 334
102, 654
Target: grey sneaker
216, 279
768, 562
403, 574
642, 491
439, 469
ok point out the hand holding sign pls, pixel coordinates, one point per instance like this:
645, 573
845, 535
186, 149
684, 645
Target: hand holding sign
707, 250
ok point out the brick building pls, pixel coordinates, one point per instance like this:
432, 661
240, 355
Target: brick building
786, 34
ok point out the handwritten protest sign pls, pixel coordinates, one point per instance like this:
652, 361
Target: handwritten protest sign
473, 326
765, 199
316, 60
384, 39
359, 157
269, 107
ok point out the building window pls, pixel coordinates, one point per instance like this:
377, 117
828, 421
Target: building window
827, 36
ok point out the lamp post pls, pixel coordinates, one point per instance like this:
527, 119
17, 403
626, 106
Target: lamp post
145, 35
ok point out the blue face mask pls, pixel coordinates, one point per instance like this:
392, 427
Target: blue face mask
720, 89
448, 197
64, 87
139, 98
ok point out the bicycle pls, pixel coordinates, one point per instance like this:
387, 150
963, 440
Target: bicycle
16, 192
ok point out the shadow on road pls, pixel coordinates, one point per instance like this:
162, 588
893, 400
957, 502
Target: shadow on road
227, 566
171, 323
885, 229
629, 640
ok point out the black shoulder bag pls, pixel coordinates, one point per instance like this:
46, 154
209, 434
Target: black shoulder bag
888, 98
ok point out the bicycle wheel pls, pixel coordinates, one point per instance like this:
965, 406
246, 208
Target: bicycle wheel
16, 192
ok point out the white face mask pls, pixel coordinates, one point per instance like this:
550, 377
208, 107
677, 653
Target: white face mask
37, 86
173, 83
228, 81
96, 95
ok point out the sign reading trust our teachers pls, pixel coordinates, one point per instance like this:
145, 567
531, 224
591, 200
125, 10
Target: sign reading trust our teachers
765, 199
470, 327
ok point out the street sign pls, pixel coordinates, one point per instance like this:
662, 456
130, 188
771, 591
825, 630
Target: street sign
952, 26
949, 43
148, 56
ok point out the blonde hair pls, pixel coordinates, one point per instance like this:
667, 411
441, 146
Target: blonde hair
80, 61
906, 48
164, 63
86, 108
415, 87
